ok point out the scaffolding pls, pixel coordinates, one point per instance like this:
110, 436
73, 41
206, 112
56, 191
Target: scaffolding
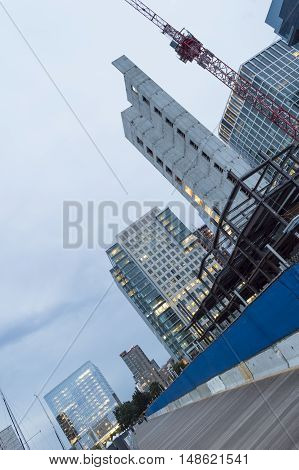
257, 238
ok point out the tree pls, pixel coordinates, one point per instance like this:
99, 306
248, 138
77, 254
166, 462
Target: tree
140, 401
128, 413
125, 414
155, 389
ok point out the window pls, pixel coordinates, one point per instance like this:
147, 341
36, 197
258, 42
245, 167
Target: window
188, 191
145, 100
139, 141
178, 180
218, 167
169, 122
198, 200
194, 145
134, 89
159, 161
149, 151
181, 133
157, 111
231, 178
168, 170
206, 156
209, 211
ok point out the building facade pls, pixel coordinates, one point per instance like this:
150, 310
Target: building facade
149, 303
9, 440
198, 164
144, 371
275, 71
283, 16
168, 255
83, 406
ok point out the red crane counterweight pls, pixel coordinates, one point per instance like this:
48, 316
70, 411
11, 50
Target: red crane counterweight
190, 49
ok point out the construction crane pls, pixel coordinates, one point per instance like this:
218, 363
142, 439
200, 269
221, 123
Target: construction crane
190, 49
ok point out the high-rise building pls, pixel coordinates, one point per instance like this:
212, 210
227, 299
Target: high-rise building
83, 405
168, 255
9, 440
283, 16
198, 164
275, 72
149, 303
144, 371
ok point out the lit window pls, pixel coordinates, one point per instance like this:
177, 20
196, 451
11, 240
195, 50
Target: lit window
188, 191
209, 211
134, 89
198, 200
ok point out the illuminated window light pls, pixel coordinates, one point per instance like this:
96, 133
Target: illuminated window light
188, 191
198, 200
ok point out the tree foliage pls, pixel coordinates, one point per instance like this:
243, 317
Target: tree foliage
128, 413
155, 390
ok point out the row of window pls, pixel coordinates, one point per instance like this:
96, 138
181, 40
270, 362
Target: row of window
168, 170
179, 131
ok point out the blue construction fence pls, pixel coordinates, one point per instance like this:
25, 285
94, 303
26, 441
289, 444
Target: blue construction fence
271, 317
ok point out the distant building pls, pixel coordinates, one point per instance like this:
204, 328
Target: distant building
9, 440
283, 16
83, 406
144, 371
156, 262
274, 71
167, 372
186, 153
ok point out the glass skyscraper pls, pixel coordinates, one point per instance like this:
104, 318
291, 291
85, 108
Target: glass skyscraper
156, 261
150, 304
83, 406
275, 71
283, 16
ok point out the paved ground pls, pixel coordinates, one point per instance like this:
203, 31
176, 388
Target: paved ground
261, 415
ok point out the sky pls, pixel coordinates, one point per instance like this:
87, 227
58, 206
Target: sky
61, 135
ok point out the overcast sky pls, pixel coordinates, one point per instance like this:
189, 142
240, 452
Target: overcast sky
48, 292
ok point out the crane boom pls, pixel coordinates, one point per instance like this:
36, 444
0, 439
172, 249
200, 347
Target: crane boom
190, 49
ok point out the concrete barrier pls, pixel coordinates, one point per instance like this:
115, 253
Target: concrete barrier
289, 347
267, 363
216, 385
233, 378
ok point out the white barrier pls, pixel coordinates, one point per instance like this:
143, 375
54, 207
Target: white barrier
233, 378
267, 363
289, 347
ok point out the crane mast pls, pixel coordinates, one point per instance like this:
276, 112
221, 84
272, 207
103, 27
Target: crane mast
190, 49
